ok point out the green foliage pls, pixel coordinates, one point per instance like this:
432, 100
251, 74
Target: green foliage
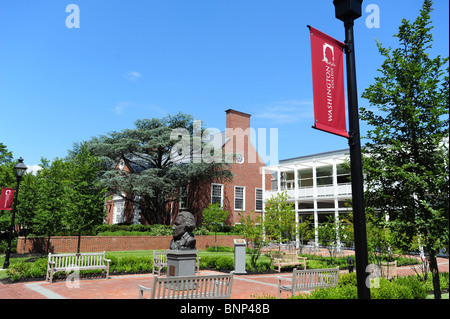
133, 230
84, 193
408, 287
217, 262
37, 269
252, 229
28, 270
213, 218
406, 167
279, 219
152, 178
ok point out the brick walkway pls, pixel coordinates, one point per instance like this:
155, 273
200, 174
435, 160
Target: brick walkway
125, 287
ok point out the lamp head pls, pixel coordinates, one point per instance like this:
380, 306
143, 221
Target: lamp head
345, 9
20, 168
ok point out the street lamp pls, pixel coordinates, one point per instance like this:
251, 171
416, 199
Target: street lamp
19, 171
347, 11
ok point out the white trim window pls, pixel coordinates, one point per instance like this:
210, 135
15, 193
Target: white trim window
118, 211
239, 198
217, 193
183, 201
258, 199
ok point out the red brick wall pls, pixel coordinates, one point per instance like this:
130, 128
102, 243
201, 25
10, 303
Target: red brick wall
68, 244
248, 173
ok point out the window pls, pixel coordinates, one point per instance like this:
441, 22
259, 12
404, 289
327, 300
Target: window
183, 201
258, 199
217, 194
118, 211
239, 195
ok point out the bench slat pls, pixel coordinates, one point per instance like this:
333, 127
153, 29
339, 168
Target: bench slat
310, 279
82, 261
190, 287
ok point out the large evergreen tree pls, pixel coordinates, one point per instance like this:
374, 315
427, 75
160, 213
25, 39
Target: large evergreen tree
406, 162
155, 178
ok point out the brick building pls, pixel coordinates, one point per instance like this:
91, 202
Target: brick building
243, 194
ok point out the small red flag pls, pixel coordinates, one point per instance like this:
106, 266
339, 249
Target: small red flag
6, 198
328, 83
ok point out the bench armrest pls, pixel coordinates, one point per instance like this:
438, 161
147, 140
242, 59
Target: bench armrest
142, 289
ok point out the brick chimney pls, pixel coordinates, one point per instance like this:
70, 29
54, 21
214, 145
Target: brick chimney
236, 119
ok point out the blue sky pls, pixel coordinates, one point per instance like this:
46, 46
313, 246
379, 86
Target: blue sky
130, 60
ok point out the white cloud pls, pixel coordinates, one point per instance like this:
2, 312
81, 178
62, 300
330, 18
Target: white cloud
33, 169
132, 75
285, 112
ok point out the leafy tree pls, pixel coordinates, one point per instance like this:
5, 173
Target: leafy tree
406, 162
51, 204
84, 194
213, 218
5, 155
252, 229
154, 178
279, 218
330, 233
29, 198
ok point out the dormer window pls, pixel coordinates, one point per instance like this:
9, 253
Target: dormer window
121, 164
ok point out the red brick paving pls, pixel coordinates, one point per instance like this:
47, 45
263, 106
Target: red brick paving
125, 287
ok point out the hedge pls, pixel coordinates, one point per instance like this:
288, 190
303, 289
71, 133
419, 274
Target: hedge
407, 287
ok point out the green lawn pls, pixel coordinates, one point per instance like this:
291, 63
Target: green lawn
11, 262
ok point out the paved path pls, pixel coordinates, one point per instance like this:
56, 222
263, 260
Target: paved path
125, 287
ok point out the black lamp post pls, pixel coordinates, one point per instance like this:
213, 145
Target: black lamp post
19, 170
347, 11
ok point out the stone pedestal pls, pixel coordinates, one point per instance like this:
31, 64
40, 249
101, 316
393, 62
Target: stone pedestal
181, 262
239, 256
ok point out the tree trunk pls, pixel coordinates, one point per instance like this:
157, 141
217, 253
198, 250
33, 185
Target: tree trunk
79, 242
435, 274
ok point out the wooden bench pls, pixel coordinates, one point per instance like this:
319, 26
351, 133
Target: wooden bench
389, 269
190, 287
81, 261
160, 261
287, 259
310, 279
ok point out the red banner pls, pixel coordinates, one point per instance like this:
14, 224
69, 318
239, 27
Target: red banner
6, 198
328, 83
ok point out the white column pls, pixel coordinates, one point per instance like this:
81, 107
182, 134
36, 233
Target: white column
316, 217
264, 199
278, 180
297, 237
336, 202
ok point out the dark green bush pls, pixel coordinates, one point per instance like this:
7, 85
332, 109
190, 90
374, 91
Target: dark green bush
408, 287
21, 270
217, 262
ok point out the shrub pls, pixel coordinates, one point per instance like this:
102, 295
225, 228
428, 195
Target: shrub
408, 287
224, 263
217, 262
27, 270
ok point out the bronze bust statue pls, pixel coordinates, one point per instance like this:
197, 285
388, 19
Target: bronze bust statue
183, 225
